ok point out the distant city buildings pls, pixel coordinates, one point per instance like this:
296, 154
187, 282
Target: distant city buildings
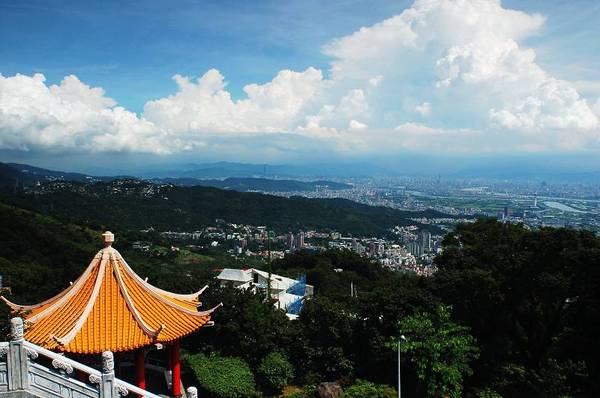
295, 242
141, 246
425, 242
415, 248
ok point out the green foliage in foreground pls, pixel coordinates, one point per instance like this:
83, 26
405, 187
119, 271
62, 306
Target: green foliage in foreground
440, 350
530, 298
222, 377
365, 389
275, 372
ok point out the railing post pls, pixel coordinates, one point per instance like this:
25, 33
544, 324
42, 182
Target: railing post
17, 365
108, 387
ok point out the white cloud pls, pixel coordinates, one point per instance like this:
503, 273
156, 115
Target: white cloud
72, 116
553, 105
356, 125
587, 88
205, 106
464, 57
597, 107
424, 109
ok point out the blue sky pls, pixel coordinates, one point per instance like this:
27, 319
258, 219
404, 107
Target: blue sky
336, 79
132, 49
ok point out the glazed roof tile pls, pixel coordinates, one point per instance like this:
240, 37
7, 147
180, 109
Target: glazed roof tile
109, 307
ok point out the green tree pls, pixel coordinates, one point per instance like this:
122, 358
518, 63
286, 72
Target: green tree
393, 298
246, 325
275, 372
366, 389
440, 350
323, 349
532, 299
222, 377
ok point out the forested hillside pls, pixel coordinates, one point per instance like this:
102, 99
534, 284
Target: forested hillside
39, 254
135, 204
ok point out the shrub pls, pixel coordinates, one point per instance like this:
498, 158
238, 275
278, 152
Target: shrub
487, 393
223, 377
304, 392
366, 389
275, 372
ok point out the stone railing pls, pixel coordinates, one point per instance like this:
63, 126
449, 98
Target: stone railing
21, 375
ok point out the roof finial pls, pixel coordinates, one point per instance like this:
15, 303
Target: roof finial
109, 238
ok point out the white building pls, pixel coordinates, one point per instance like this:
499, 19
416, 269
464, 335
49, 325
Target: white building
288, 294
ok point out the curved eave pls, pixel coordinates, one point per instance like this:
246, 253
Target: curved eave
110, 307
20, 308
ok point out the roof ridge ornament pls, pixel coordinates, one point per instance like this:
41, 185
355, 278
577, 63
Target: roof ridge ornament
108, 238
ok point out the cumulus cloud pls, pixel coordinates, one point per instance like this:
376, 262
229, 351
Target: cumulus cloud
424, 109
466, 56
72, 116
205, 106
356, 125
459, 64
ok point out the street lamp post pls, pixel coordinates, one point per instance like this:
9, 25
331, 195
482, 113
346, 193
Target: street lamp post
402, 338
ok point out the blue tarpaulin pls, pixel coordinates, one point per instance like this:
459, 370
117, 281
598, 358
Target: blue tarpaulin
298, 288
294, 307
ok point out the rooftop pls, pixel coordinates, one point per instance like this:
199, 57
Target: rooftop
110, 308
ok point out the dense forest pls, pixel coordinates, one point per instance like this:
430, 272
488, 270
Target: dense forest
135, 204
511, 312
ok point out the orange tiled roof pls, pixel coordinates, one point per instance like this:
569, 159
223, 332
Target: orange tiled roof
110, 308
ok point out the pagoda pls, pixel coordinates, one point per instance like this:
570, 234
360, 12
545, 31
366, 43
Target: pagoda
110, 308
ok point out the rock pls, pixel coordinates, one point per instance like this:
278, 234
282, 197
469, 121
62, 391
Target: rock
329, 390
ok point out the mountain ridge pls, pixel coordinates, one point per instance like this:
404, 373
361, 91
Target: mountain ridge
13, 174
136, 204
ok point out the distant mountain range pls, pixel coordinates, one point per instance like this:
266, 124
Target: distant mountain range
231, 169
247, 184
13, 174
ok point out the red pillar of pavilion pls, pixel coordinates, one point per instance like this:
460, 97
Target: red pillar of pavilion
140, 371
175, 369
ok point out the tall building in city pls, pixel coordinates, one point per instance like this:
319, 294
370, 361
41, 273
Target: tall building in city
425, 241
414, 248
380, 248
290, 240
299, 241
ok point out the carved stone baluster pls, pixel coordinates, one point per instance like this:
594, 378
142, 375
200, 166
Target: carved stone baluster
108, 386
4, 347
192, 392
17, 362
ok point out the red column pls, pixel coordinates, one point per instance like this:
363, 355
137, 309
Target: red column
176, 369
140, 371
